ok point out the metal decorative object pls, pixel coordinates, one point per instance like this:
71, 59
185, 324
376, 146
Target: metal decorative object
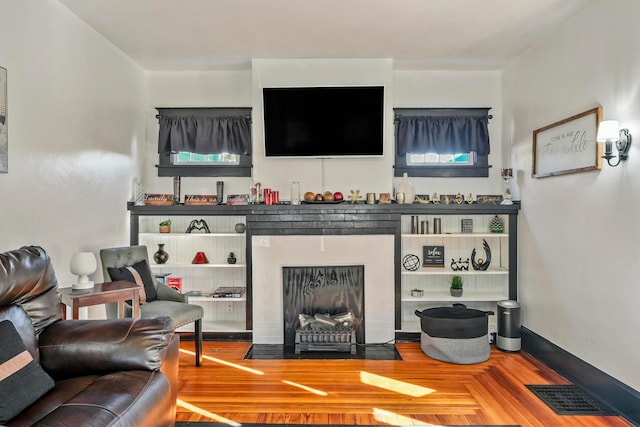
481, 264
198, 224
411, 262
459, 265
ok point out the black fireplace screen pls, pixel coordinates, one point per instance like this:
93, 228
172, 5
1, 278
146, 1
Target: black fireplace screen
324, 289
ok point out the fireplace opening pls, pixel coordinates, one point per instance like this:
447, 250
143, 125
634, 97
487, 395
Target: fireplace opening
316, 292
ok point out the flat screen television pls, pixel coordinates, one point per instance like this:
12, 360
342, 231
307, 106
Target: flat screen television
323, 122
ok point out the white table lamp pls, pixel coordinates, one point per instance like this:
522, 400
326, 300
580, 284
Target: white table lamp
82, 265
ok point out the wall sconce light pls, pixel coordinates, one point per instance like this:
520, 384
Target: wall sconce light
609, 132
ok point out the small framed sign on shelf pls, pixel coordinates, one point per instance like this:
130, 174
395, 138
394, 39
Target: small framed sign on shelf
433, 256
200, 200
466, 225
158, 199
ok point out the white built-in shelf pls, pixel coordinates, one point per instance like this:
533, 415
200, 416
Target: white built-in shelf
467, 295
449, 272
456, 235
212, 299
189, 265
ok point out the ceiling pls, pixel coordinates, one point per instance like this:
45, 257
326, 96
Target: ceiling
416, 34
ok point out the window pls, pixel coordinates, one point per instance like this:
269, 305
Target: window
431, 159
204, 142
439, 142
188, 158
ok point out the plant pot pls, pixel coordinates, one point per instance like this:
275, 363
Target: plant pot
455, 292
165, 229
231, 260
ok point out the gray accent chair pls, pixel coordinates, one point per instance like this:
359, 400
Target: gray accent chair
169, 303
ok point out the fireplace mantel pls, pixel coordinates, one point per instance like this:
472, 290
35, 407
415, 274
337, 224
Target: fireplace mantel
320, 218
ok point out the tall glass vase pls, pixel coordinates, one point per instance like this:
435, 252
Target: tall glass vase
506, 193
407, 188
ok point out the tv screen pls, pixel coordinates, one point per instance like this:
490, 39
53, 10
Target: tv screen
323, 121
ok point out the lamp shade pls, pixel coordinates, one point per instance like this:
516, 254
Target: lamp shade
82, 265
608, 130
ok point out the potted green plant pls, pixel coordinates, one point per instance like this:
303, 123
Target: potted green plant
165, 226
231, 258
456, 286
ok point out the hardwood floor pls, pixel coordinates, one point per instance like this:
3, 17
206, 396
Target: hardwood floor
414, 391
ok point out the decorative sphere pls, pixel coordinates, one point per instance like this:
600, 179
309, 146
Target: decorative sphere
411, 262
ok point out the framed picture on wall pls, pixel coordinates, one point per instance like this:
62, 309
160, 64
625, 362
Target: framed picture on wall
4, 139
568, 146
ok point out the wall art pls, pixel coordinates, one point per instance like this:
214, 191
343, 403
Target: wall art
568, 146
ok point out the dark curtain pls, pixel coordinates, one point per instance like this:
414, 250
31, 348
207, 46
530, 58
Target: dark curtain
442, 134
204, 131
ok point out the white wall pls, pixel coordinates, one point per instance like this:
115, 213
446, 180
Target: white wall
75, 125
579, 234
403, 89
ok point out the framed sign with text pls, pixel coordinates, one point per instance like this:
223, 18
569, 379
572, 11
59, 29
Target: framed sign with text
433, 256
568, 146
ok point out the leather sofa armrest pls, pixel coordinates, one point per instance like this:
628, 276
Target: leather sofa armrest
71, 348
166, 293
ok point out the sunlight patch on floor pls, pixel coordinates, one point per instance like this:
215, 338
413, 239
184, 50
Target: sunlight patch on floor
394, 385
213, 417
304, 387
224, 362
394, 419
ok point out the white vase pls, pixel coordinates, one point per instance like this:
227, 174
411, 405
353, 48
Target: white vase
405, 187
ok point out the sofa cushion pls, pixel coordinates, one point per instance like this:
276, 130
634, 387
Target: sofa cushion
140, 274
21, 377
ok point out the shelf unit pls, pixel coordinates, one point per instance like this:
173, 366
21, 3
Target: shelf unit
482, 289
221, 314
343, 219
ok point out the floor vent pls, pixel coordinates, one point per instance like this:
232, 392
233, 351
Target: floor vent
569, 400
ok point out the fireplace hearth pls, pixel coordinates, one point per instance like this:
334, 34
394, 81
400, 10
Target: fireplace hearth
285, 352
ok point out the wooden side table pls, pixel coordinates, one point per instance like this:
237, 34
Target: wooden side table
102, 293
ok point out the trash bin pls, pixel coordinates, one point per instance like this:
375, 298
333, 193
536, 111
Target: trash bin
508, 338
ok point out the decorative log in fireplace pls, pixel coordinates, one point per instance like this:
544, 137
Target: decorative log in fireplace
323, 332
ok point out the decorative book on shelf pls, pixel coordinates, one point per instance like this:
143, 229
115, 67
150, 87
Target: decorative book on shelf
229, 292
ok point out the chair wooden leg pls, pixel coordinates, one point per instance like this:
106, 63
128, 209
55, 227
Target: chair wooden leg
198, 331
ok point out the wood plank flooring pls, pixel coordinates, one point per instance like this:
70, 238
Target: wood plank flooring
414, 391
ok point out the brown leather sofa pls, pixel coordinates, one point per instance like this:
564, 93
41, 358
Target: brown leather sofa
117, 372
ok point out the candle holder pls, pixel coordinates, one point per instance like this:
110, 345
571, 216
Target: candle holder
507, 174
